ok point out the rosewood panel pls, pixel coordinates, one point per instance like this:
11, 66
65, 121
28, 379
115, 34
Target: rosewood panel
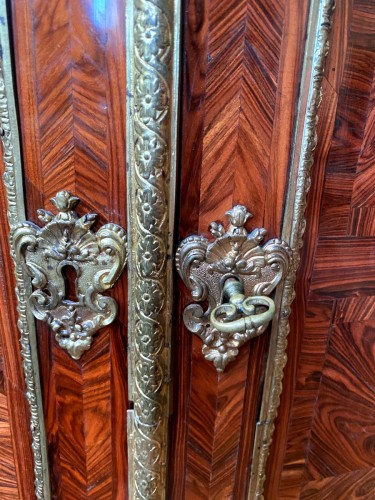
356, 484
323, 443
241, 67
8, 475
8, 470
70, 68
345, 408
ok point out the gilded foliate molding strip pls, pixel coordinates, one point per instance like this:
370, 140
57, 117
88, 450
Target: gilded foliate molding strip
16, 213
152, 69
293, 230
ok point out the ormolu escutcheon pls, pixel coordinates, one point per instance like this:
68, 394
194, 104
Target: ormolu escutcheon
235, 274
97, 260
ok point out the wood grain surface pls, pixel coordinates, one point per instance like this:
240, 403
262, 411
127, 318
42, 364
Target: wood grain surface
323, 446
8, 474
70, 69
8, 469
241, 68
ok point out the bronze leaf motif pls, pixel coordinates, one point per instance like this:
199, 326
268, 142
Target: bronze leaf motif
98, 259
207, 268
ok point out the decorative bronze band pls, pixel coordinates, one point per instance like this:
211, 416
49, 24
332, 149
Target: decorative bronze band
153, 31
16, 214
293, 228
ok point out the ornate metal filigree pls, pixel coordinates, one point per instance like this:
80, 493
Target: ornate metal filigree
206, 268
293, 229
152, 72
16, 212
97, 258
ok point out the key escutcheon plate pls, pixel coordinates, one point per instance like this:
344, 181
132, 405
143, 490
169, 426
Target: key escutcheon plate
205, 266
97, 258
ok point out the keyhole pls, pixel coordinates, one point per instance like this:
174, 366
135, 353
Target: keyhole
70, 277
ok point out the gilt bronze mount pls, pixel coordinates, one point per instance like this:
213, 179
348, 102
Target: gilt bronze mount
235, 275
66, 241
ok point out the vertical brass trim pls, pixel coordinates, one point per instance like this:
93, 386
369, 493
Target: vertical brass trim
153, 36
293, 228
16, 213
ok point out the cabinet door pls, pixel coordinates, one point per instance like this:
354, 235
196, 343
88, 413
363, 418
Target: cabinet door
70, 87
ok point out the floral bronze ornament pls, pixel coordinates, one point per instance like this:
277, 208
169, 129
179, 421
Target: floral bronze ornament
97, 259
152, 73
235, 275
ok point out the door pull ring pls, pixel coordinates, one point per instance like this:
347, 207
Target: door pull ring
251, 320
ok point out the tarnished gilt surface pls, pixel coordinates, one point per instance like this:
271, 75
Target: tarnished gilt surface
205, 266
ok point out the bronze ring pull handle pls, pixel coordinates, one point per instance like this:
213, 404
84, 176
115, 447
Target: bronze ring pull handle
239, 304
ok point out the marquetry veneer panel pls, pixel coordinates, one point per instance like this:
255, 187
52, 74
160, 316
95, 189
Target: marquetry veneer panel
323, 444
240, 80
8, 475
70, 67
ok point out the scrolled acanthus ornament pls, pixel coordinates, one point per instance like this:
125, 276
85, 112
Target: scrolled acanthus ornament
66, 241
235, 275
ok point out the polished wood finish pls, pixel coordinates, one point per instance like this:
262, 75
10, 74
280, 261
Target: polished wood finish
70, 68
8, 474
8, 471
323, 444
241, 68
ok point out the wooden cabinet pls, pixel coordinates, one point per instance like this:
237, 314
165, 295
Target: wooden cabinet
160, 116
